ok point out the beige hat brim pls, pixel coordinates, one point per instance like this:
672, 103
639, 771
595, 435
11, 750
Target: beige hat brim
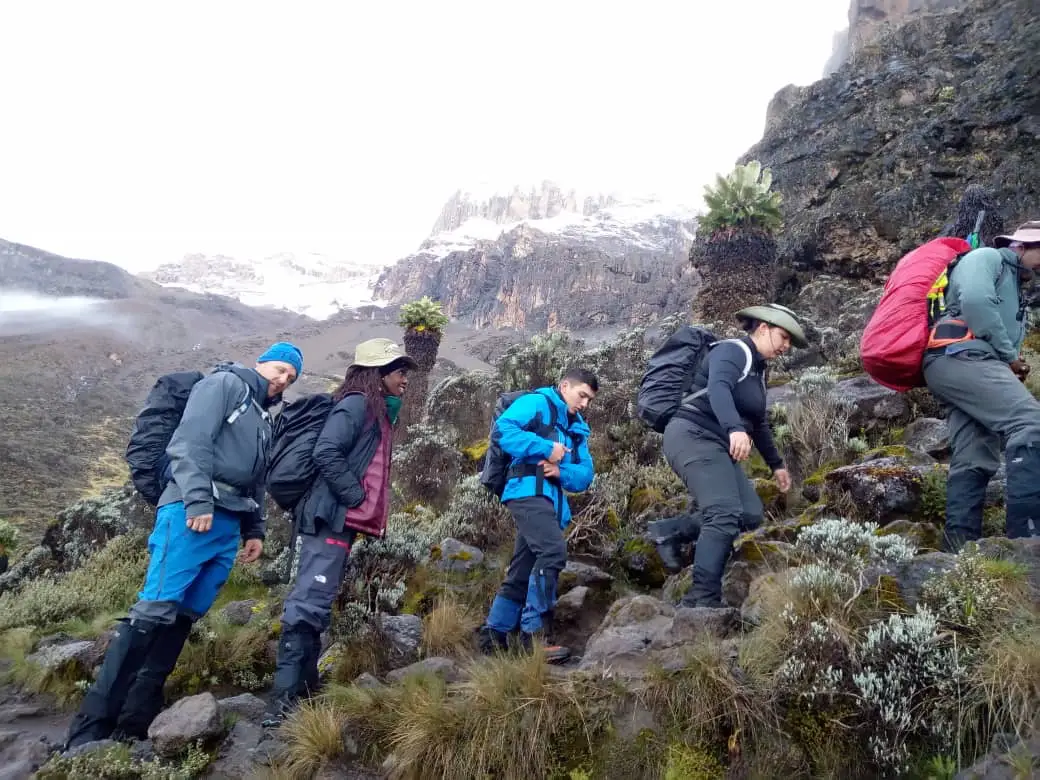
1020, 236
408, 360
780, 319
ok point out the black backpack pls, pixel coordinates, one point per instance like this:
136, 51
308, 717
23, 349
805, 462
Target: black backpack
154, 426
496, 472
670, 373
291, 470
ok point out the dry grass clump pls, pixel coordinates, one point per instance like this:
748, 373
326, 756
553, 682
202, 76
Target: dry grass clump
449, 627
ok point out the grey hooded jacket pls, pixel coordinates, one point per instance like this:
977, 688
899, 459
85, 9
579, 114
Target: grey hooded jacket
218, 454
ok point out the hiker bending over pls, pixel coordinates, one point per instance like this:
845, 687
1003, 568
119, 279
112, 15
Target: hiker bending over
214, 496
546, 440
350, 495
708, 437
973, 366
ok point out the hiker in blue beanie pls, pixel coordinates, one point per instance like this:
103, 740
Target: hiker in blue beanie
213, 496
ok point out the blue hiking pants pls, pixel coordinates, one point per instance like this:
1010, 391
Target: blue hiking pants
186, 568
527, 597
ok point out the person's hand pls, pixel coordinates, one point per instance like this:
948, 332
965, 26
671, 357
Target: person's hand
739, 445
783, 479
550, 470
201, 523
558, 452
250, 551
1021, 368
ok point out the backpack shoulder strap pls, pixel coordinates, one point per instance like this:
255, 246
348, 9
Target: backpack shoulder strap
749, 362
245, 403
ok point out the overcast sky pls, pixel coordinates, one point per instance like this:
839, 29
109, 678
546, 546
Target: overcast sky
137, 132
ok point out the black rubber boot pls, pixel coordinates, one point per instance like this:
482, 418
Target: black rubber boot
145, 699
709, 563
965, 499
670, 534
126, 655
1023, 491
295, 671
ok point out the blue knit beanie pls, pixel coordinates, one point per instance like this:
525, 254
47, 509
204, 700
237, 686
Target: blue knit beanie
285, 352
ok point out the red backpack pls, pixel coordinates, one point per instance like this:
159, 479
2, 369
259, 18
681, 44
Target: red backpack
894, 341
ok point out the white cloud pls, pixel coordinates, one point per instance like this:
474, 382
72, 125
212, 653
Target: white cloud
136, 133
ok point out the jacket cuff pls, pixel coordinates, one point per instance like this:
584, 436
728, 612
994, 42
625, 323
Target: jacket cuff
198, 508
356, 498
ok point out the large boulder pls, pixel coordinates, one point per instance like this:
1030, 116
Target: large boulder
189, 720
882, 490
88, 525
641, 631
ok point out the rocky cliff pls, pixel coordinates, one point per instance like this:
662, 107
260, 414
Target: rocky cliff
873, 159
555, 261
867, 18
517, 203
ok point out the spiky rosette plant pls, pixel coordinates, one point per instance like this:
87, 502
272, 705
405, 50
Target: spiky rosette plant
736, 248
423, 322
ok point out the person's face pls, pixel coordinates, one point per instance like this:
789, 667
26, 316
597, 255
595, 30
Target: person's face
396, 382
772, 341
1030, 256
577, 395
279, 376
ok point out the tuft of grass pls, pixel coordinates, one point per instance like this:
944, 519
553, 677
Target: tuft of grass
313, 736
220, 654
449, 626
1005, 684
707, 700
512, 718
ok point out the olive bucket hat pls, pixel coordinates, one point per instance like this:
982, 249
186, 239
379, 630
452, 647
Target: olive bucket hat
779, 316
376, 353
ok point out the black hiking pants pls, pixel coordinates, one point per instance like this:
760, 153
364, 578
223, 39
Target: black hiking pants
726, 500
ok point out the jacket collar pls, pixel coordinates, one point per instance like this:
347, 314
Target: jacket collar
757, 360
575, 422
257, 384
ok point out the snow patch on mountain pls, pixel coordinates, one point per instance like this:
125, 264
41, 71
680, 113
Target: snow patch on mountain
638, 221
312, 284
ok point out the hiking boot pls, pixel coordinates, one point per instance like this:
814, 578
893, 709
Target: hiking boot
669, 535
709, 562
554, 653
491, 641
296, 670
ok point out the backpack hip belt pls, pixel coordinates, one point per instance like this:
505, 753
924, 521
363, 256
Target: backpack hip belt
949, 332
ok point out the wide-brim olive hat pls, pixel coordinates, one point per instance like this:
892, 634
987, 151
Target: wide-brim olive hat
376, 353
781, 317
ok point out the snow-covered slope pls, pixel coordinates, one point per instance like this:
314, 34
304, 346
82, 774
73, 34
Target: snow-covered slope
312, 284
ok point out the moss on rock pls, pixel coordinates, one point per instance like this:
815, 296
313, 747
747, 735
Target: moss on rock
640, 559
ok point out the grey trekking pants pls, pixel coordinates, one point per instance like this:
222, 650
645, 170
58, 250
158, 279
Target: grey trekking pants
726, 501
322, 562
985, 403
